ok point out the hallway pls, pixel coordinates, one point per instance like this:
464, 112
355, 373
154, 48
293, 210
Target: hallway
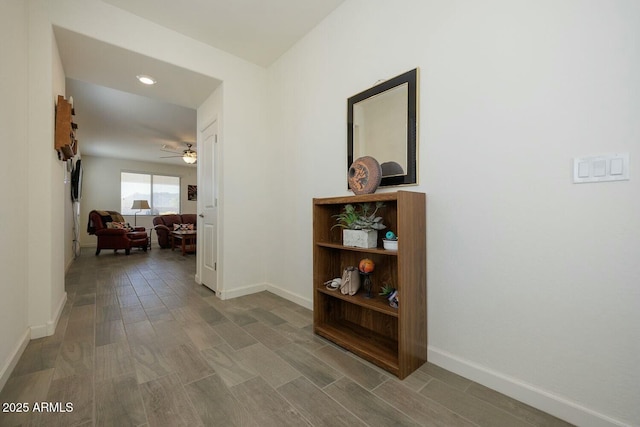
139, 343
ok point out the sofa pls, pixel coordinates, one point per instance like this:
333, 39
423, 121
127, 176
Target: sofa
163, 225
120, 236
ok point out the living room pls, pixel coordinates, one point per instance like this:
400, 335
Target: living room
532, 279
102, 187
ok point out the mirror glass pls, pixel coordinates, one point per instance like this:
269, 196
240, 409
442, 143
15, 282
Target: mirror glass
382, 124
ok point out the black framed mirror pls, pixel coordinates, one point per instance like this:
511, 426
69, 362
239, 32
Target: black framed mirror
382, 123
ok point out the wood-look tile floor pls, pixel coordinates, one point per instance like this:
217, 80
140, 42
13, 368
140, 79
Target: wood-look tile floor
140, 344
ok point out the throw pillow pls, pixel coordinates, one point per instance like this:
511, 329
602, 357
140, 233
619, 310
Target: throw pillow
119, 225
182, 227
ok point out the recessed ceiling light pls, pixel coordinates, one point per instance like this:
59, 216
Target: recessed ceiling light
148, 80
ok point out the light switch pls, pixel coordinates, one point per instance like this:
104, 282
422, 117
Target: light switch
583, 170
599, 167
617, 166
603, 168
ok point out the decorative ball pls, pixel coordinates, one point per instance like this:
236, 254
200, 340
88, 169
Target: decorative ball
366, 265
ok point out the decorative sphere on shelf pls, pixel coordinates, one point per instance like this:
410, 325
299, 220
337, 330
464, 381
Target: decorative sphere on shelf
366, 266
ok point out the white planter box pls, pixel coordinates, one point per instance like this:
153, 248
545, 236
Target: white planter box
360, 238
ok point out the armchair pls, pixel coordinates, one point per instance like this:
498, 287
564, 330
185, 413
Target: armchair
163, 225
115, 238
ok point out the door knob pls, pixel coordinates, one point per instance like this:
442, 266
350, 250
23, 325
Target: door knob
201, 215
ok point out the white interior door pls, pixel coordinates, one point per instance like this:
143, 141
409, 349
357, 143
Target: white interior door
208, 204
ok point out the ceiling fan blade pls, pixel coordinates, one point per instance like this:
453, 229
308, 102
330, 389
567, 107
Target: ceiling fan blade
188, 153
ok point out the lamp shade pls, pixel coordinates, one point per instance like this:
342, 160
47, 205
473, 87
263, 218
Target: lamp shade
140, 204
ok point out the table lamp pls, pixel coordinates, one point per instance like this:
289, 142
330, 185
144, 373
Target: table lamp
139, 204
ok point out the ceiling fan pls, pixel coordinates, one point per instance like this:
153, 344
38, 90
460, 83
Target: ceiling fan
189, 156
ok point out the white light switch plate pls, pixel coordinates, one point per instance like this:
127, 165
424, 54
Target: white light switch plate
603, 168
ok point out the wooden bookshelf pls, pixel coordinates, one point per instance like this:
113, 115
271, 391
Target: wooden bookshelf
394, 339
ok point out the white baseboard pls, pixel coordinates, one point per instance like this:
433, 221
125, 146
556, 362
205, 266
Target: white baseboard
11, 363
295, 298
513, 387
49, 328
239, 292
259, 287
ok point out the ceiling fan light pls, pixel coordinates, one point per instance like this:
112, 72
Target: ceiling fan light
189, 158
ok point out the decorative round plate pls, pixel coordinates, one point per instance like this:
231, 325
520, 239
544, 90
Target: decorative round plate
365, 174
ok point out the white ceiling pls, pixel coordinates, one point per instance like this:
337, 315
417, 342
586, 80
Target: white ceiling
94, 61
259, 31
117, 124
119, 117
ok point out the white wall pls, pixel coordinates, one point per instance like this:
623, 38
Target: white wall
532, 280
32, 267
59, 88
101, 189
45, 234
13, 192
61, 191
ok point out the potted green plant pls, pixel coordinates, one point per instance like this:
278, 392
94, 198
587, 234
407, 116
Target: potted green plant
390, 293
386, 290
360, 224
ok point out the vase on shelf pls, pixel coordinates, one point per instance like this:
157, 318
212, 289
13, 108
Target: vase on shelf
367, 284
